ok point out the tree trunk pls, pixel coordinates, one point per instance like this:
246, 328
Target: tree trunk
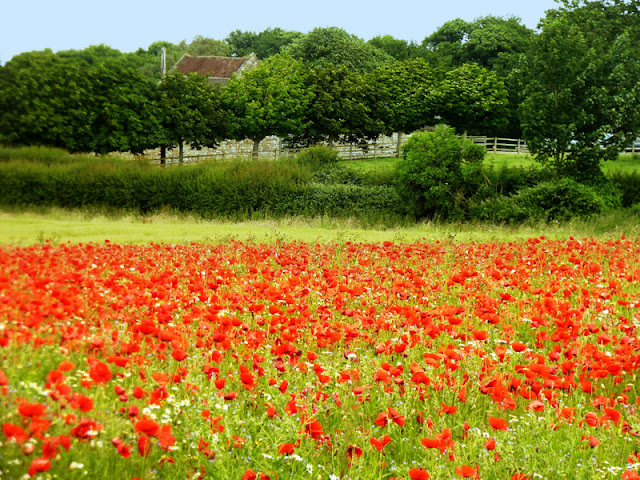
181, 151
256, 147
163, 155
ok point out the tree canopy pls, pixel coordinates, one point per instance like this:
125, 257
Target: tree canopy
268, 100
265, 44
581, 86
49, 100
333, 46
191, 112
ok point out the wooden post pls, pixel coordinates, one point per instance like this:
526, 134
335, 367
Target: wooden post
518, 146
351, 151
495, 144
375, 149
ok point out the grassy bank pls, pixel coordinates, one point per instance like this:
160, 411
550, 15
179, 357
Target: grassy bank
26, 227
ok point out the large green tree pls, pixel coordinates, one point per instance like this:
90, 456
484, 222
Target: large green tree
340, 108
581, 86
407, 95
268, 100
333, 46
78, 105
473, 99
265, 44
398, 48
492, 42
192, 112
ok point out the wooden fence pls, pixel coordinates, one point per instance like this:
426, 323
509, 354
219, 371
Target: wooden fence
501, 145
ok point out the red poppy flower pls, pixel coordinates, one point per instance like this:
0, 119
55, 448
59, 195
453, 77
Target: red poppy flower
379, 444
354, 450
498, 423
179, 354
100, 372
490, 444
144, 445
147, 426
286, 449
418, 474
467, 471
15, 432
39, 465
31, 409
249, 475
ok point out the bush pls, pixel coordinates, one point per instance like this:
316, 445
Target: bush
318, 157
550, 200
429, 174
628, 184
510, 180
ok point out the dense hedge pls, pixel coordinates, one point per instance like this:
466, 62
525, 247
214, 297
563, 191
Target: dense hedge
234, 189
310, 187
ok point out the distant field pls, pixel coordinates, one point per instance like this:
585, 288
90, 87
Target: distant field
625, 162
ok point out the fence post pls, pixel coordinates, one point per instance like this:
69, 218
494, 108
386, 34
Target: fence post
375, 149
351, 151
518, 146
495, 144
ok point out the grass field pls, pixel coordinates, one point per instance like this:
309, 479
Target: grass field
61, 226
626, 162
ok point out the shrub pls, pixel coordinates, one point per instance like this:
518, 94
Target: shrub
550, 200
430, 172
628, 184
318, 157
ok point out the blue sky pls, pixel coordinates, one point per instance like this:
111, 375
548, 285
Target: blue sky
128, 25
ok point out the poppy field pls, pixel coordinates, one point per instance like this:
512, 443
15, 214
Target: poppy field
296, 360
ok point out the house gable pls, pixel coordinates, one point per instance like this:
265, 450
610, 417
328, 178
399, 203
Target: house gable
217, 69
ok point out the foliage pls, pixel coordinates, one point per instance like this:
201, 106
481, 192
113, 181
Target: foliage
325, 46
550, 200
268, 100
192, 111
318, 157
399, 49
492, 42
628, 184
79, 106
430, 172
340, 109
473, 99
237, 189
265, 44
581, 87
407, 95
204, 47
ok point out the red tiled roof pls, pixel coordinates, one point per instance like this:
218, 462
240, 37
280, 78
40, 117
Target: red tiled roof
220, 67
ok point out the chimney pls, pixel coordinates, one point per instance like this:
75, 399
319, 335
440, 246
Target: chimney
163, 62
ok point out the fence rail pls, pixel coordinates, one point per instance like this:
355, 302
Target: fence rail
501, 145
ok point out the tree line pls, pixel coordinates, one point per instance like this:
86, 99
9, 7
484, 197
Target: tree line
572, 88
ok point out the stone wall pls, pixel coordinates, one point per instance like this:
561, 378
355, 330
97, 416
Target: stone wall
272, 147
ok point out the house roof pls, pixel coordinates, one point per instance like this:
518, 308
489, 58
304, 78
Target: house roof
214, 67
